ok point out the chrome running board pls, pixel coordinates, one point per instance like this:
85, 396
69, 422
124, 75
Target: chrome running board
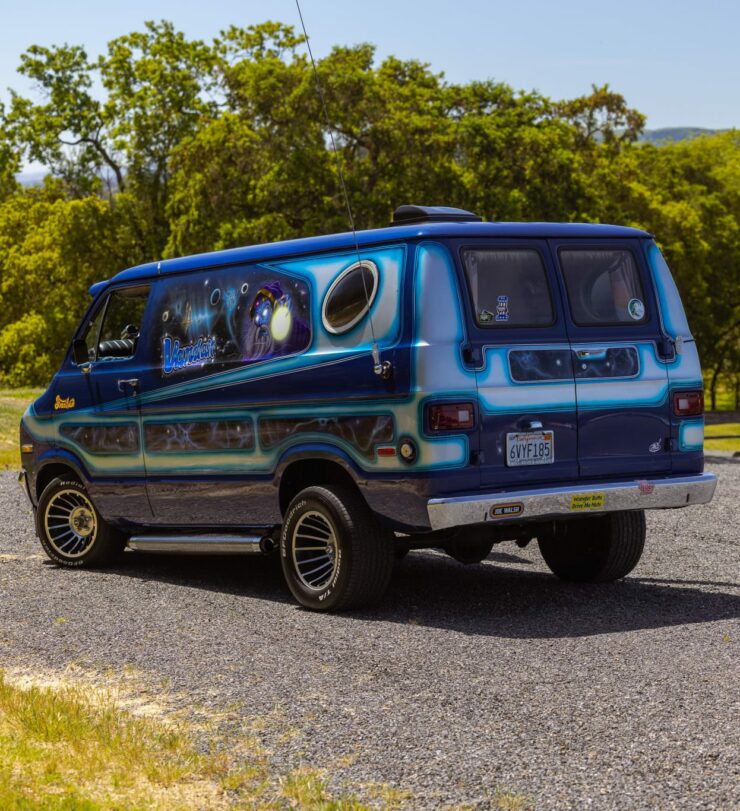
226, 544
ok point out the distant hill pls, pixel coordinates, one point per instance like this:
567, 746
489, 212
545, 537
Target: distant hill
674, 134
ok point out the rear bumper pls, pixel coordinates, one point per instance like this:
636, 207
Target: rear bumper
572, 500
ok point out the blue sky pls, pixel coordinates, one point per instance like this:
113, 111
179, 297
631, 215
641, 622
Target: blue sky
678, 61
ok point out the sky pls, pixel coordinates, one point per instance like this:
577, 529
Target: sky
677, 61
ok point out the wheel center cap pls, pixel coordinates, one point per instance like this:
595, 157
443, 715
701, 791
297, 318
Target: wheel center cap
81, 521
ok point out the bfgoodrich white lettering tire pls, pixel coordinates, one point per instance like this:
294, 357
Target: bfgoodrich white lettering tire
335, 556
70, 528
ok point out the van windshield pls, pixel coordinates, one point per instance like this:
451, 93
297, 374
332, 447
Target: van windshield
509, 287
603, 286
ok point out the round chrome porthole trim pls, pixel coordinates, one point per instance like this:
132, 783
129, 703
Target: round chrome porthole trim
364, 263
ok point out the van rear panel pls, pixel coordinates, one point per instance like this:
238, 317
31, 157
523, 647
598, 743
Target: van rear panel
613, 321
574, 366
519, 347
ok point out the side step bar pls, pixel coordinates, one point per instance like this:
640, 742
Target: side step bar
225, 544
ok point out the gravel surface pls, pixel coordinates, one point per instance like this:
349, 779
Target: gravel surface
468, 681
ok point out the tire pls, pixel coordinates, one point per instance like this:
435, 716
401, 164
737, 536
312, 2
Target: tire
469, 546
71, 530
596, 550
401, 548
356, 573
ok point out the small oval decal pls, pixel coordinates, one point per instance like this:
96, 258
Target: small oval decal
506, 510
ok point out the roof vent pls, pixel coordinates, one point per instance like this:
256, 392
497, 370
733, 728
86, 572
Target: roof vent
413, 215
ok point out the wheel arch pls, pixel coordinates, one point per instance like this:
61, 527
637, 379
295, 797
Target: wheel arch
316, 467
56, 467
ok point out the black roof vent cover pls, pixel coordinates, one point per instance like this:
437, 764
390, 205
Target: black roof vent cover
412, 215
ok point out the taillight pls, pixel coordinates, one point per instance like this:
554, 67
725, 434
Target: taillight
688, 403
450, 416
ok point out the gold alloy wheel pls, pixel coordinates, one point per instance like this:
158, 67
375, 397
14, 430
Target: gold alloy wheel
70, 523
314, 549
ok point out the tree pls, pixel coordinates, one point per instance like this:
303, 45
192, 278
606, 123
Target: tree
157, 84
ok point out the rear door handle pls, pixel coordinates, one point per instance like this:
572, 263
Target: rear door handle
591, 354
131, 383
532, 425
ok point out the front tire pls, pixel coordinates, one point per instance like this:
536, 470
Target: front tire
71, 530
596, 550
335, 556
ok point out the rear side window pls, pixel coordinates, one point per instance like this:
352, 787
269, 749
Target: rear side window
350, 297
211, 321
603, 287
509, 287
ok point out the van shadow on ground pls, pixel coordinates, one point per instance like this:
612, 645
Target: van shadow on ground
432, 590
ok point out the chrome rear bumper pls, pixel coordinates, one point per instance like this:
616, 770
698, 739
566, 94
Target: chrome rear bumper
586, 499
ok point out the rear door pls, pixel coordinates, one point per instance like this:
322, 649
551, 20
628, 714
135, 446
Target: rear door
620, 378
518, 345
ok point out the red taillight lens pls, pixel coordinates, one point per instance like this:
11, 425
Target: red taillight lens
688, 403
450, 416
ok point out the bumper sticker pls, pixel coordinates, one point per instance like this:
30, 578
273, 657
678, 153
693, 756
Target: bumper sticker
586, 501
506, 510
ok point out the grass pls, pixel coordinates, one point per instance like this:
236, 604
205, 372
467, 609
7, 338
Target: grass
723, 429
73, 748
13, 402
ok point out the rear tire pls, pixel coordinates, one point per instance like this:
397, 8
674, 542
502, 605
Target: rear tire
596, 550
335, 555
71, 530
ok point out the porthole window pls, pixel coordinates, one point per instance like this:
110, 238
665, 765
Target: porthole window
350, 297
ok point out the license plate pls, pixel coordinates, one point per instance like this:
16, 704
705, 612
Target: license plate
530, 448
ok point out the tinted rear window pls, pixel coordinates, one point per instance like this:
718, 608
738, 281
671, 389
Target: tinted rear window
509, 287
603, 287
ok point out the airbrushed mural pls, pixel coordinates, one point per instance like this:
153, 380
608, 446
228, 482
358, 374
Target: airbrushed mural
208, 323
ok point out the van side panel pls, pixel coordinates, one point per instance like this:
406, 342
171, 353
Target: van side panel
251, 414
684, 369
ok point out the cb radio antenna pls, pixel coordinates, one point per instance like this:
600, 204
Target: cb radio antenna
381, 368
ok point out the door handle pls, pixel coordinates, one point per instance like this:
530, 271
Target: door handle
591, 354
132, 383
532, 425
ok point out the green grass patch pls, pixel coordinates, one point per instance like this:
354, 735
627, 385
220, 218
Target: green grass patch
72, 748
13, 402
727, 429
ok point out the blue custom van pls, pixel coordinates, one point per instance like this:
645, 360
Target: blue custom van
441, 383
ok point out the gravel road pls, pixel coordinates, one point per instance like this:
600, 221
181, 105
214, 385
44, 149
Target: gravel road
467, 681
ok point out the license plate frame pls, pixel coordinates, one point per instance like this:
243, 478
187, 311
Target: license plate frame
535, 448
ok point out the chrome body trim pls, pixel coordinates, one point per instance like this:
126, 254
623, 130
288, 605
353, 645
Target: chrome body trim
592, 498
198, 544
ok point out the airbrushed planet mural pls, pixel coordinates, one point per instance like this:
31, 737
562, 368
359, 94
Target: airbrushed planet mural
232, 317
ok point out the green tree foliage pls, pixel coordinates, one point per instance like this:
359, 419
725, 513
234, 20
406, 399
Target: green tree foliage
165, 145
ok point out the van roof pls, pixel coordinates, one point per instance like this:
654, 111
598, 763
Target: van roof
397, 233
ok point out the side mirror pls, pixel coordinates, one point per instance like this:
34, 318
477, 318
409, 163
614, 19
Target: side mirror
80, 354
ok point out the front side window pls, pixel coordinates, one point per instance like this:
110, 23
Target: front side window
122, 321
509, 287
92, 331
603, 287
